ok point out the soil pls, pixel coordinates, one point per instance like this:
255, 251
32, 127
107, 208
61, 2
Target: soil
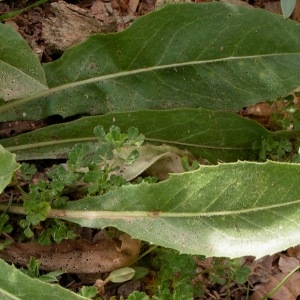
113, 16
31, 23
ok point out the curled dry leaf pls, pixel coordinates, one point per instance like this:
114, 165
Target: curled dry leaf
154, 160
294, 251
287, 264
79, 256
261, 270
168, 163
158, 161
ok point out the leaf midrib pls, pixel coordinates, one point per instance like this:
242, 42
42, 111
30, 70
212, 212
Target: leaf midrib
159, 214
132, 215
95, 139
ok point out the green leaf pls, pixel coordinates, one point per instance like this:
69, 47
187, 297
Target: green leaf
51, 276
27, 171
138, 296
16, 285
213, 135
8, 166
28, 232
242, 274
88, 291
287, 7
4, 228
122, 274
228, 210
201, 58
21, 74
140, 272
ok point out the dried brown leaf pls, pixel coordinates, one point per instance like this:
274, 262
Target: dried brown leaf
79, 256
287, 264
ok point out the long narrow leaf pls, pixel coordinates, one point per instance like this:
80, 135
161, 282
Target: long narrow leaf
226, 210
212, 55
210, 134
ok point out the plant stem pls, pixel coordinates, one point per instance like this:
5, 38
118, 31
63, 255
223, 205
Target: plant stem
145, 253
271, 293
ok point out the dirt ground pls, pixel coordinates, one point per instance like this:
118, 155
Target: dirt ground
36, 27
